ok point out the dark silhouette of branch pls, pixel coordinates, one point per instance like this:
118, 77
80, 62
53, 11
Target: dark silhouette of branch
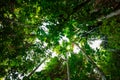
33, 71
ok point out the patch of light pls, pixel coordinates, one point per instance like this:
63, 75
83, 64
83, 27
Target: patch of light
60, 41
30, 55
1, 26
44, 64
41, 67
63, 38
57, 22
54, 54
76, 49
44, 44
44, 27
37, 41
68, 47
87, 24
95, 70
50, 51
20, 76
63, 57
95, 44
68, 54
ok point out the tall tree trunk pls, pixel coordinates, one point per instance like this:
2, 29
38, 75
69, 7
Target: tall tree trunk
100, 72
67, 62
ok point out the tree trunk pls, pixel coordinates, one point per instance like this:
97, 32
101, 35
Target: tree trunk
100, 72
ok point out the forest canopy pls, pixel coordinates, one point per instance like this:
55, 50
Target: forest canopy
59, 34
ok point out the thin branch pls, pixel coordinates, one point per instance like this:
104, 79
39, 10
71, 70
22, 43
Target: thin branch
115, 13
99, 20
94, 64
33, 71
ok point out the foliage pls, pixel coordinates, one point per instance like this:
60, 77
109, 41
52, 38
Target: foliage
31, 31
111, 28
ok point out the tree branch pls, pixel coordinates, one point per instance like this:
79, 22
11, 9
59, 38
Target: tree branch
115, 13
94, 64
99, 20
33, 71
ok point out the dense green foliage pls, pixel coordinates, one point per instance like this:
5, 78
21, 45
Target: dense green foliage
31, 31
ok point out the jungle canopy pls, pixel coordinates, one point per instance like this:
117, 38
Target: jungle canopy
59, 34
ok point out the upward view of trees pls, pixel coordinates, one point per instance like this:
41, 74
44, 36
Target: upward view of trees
59, 34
